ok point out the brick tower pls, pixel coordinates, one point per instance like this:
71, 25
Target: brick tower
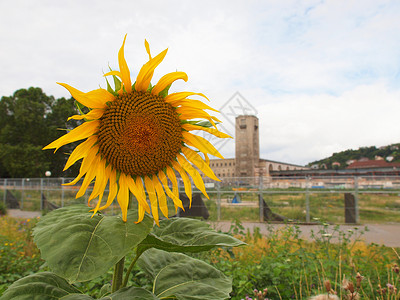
247, 146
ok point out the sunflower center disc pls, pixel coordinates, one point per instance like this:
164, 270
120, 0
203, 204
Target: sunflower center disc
140, 134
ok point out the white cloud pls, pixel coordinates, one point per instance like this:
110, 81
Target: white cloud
302, 128
323, 74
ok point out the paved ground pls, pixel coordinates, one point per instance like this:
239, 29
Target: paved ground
17, 213
383, 234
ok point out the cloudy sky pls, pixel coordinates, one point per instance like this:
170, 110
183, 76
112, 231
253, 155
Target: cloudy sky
322, 76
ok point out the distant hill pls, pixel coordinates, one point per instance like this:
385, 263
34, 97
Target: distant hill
388, 153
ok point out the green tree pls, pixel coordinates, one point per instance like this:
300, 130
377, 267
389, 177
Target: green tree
29, 120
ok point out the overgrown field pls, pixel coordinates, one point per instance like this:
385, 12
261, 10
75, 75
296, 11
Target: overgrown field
287, 266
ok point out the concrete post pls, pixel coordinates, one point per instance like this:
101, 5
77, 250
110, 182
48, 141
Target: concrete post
218, 202
356, 199
308, 199
260, 197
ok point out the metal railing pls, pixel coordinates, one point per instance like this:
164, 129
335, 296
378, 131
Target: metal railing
303, 199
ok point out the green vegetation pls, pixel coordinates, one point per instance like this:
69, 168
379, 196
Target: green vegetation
363, 152
29, 120
289, 267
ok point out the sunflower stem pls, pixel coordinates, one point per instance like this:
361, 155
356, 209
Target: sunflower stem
128, 272
118, 273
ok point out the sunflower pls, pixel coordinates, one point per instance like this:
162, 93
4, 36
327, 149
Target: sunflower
137, 137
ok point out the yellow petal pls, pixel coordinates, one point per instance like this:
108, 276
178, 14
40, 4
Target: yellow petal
166, 80
81, 132
96, 208
146, 44
136, 192
139, 186
123, 196
146, 72
172, 177
112, 187
200, 143
174, 97
101, 181
153, 198
207, 159
213, 131
93, 99
86, 164
191, 103
174, 197
192, 113
80, 151
116, 73
94, 114
140, 214
91, 173
123, 67
196, 159
197, 180
186, 180
162, 199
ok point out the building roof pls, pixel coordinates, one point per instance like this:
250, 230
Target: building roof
372, 164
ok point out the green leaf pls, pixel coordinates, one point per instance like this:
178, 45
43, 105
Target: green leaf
130, 293
80, 247
80, 107
40, 286
117, 83
186, 235
186, 278
206, 124
110, 89
164, 92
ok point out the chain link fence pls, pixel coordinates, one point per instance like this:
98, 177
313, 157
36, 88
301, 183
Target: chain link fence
360, 199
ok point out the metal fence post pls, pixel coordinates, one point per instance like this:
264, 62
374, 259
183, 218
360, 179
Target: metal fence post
218, 202
5, 192
356, 199
308, 199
